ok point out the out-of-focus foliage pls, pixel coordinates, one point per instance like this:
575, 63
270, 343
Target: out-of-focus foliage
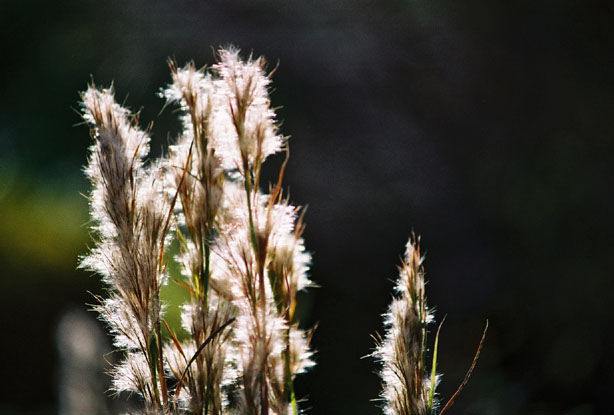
41, 227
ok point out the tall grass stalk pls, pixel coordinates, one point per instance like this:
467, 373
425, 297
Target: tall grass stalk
407, 388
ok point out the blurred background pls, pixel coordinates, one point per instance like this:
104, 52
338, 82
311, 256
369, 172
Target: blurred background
485, 127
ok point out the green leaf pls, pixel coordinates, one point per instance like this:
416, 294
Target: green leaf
434, 368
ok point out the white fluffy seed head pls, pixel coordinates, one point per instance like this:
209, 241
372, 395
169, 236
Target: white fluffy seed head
405, 380
116, 159
130, 212
246, 133
132, 374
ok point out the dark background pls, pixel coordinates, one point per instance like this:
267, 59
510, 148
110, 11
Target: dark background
486, 127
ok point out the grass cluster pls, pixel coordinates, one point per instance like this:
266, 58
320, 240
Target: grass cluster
241, 255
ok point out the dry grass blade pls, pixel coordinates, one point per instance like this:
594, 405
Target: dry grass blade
276, 194
173, 337
462, 385
197, 352
172, 204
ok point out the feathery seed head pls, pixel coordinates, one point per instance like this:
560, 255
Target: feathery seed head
247, 132
130, 210
406, 384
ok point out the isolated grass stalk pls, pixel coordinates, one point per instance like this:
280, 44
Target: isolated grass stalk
407, 387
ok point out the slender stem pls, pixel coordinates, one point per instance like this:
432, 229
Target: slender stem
289, 382
162, 378
208, 395
252, 229
205, 272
